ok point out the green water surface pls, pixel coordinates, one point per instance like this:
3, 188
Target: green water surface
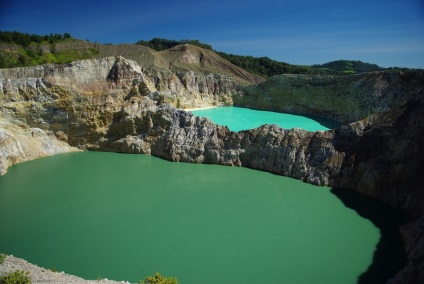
238, 119
124, 217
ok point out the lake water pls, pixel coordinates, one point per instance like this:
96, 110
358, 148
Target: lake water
238, 119
124, 217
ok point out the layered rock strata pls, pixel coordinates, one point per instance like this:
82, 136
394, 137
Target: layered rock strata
343, 98
22, 143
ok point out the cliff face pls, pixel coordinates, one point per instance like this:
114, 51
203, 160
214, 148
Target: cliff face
343, 98
187, 76
113, 104
80, 98
19, 144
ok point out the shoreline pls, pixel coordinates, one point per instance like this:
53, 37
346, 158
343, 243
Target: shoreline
199, 108
39, 274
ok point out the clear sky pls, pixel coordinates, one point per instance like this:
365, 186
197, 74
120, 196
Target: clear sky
385, 32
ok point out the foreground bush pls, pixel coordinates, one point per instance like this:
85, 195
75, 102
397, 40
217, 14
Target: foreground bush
16, 277
159, 279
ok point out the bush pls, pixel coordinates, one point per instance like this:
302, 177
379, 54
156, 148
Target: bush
159, 279
16, 277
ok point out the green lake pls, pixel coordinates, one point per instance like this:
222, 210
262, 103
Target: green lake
124, 217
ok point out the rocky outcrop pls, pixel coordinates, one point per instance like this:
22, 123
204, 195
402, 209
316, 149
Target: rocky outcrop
384, 157
19, 144
413, 236
81, 100
343, 98
187, 76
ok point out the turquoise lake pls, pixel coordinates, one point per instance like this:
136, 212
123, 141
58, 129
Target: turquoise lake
124, 217
238, 119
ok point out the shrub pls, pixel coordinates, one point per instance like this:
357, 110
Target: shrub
16, 277
159, 279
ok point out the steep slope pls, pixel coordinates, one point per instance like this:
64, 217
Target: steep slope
342, 98
193, 58
144, 56
181, 58
187, 76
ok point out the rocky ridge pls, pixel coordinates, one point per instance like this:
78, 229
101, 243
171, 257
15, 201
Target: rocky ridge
111, 104
343, 98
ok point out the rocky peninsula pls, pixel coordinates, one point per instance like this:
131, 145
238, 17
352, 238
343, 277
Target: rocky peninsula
135, 106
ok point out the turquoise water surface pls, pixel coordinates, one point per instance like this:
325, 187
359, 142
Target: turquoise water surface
238, 119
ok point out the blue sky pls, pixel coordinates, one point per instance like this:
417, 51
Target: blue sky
388, 33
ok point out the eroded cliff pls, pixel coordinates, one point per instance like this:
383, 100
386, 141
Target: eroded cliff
343, 98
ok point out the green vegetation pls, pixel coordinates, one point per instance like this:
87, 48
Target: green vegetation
2, 258
16, 277
267, 67
160, 44
159, 279
21, 49
25, 39
347, 67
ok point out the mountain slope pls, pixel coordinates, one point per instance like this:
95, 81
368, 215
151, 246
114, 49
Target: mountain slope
181, 58
190, 57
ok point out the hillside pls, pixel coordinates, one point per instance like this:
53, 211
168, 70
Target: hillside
262, 66
347, 67
19, 49
180, 58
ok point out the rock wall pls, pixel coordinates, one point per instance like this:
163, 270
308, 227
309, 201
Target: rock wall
19, 144
343, 98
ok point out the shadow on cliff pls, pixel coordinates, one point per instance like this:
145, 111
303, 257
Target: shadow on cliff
326, 122
389, 256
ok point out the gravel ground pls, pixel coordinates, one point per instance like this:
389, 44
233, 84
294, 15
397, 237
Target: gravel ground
42, 275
